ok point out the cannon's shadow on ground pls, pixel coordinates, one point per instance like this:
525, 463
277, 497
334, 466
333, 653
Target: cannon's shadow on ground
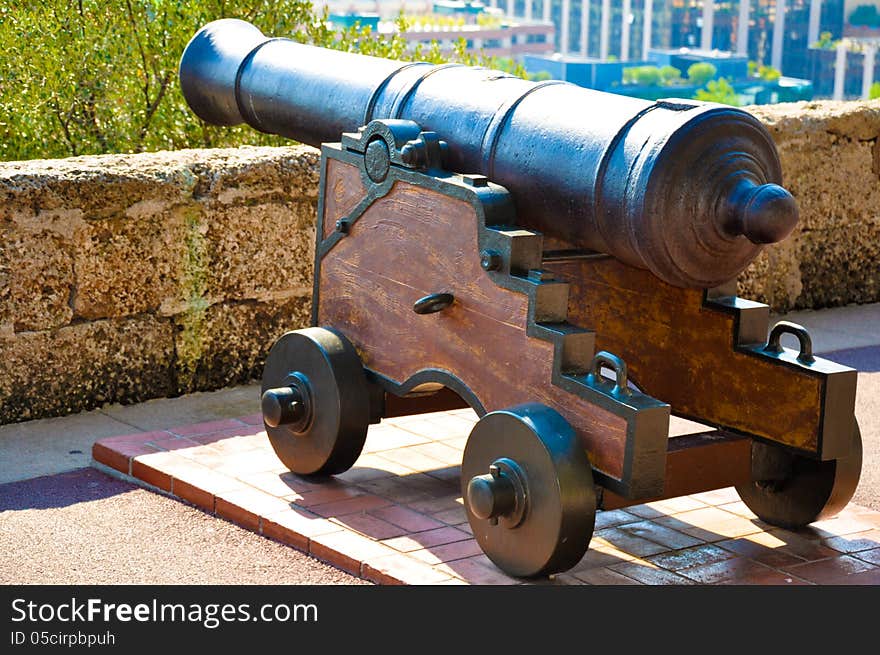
62, 490
865, 359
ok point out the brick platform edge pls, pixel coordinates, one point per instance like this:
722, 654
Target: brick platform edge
397, 518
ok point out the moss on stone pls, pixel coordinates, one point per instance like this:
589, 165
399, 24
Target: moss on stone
194, 273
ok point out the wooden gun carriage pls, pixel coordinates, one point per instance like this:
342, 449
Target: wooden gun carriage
436, 287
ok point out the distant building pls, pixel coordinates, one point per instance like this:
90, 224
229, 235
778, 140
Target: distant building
610, 75
483, 28
728, 65
779, 33
458, 8
846, 68
347, 20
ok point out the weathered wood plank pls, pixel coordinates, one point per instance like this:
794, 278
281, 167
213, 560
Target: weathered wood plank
344, 189
697, 463
393, 256
684, 353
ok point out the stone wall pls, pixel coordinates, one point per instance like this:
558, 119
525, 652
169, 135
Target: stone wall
127, 277
130, 277
830, 154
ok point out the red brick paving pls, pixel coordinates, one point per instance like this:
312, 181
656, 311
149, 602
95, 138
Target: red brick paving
427, 539
872, 556
602, 576
677, 560
370, 526
406, 519
648, 573
151, 473
397, 517
835, 570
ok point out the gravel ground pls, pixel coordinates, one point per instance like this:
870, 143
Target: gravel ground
84, 527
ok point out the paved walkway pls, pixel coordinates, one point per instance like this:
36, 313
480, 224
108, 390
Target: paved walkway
54, 446
397, 515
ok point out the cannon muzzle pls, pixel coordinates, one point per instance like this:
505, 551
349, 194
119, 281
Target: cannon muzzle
688, 190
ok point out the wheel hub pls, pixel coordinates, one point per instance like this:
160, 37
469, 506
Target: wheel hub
315, 401
290, 405
500, 496
533, 513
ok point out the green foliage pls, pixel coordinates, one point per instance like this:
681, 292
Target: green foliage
505, 64
753, 68
874, 91
540, 76
642, 75
670, 75
700, 73
768, 73
651, 75
865, 16
99, 76
489, 21
719, 91
825, 42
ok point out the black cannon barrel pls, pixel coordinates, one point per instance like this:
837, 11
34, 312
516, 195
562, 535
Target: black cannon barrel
688, 190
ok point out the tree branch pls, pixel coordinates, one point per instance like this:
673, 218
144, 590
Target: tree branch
151, 110
137, 38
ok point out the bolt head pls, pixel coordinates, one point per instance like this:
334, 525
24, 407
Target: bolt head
413, 153
490, 260
481, 497
282, 406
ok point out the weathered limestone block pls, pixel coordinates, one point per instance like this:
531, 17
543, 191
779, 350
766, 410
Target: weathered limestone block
36, 280
775, 276
264, 251
80, 366
129, 264
227, 343
212, 250
830, 154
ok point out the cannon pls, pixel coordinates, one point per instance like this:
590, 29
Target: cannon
561, 260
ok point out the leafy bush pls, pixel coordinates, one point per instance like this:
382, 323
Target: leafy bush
651, 75
768, 73
825, 42
642, 75
720, 91
700, 73
648, 75
670, 75
98, 76
874, 91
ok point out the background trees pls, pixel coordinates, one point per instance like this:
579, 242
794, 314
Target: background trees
97, 76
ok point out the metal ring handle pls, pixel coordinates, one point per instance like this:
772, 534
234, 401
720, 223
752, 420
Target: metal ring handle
616, 364
805, 356
434, 303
